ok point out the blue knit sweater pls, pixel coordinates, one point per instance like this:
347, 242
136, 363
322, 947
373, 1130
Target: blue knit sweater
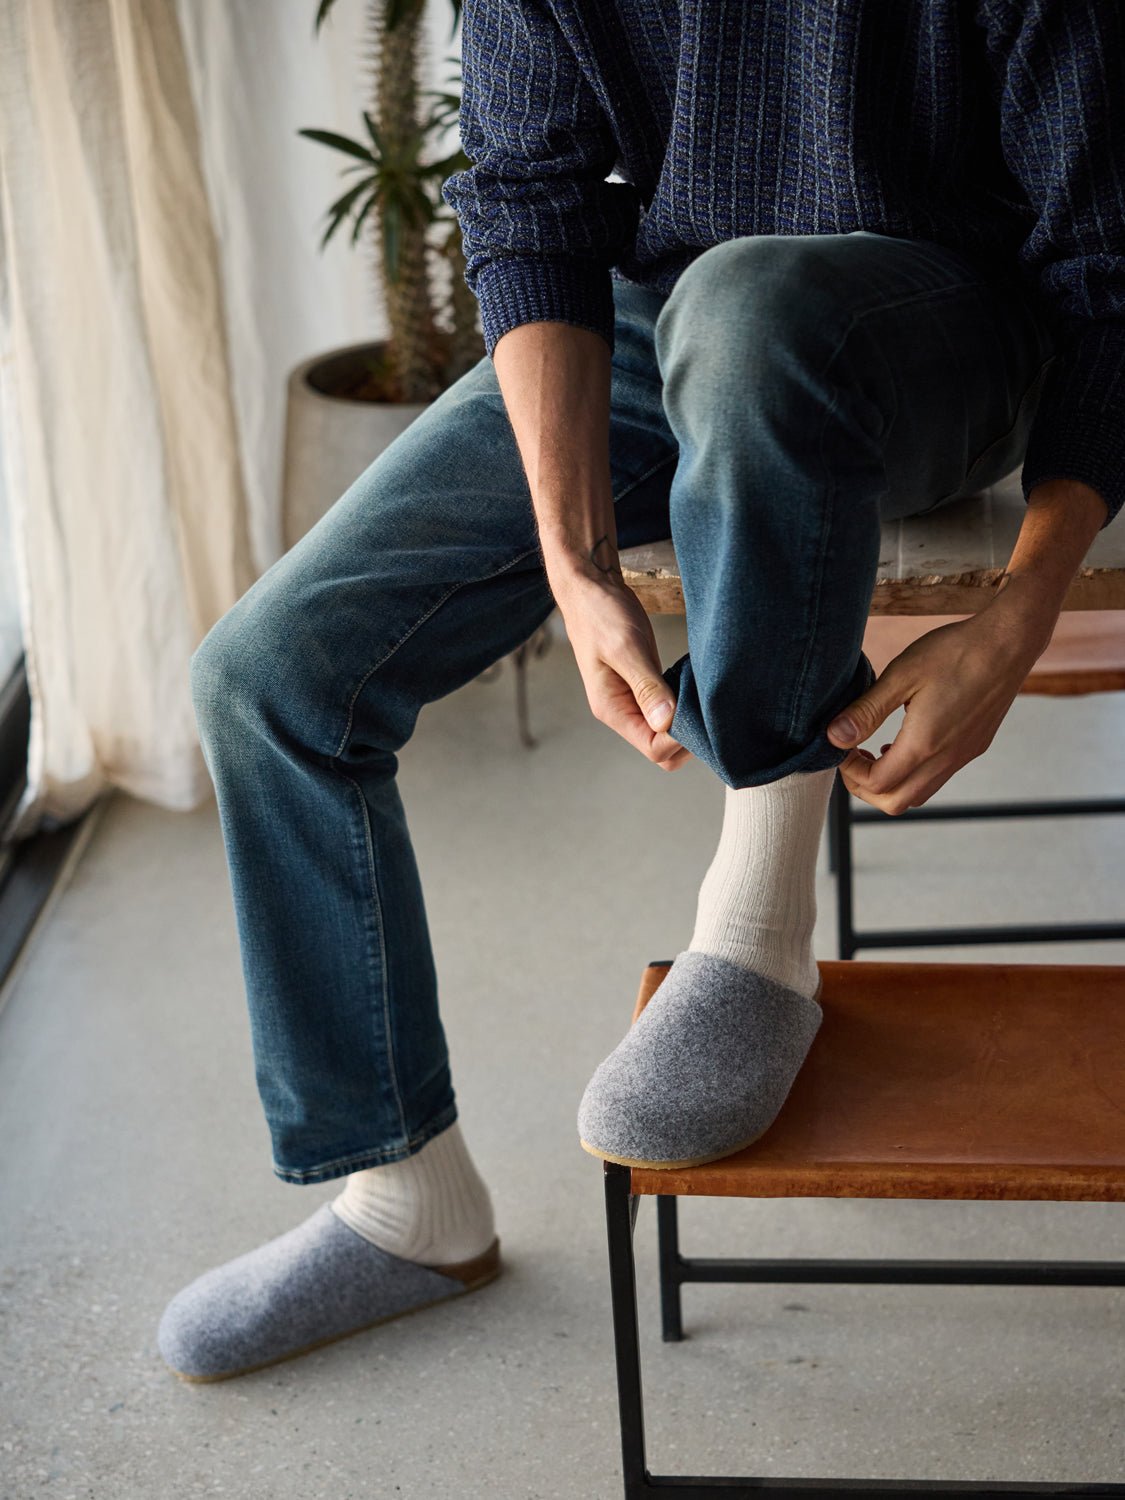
996, 127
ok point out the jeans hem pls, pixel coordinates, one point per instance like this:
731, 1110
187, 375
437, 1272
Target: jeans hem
820, 755
377, 1156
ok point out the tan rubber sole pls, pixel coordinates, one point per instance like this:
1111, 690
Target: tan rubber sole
475, 1273
664, 1166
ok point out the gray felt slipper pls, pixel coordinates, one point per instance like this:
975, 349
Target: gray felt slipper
702, 1071
309, 1286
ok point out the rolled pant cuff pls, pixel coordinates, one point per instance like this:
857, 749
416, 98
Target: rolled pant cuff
375, 1156
817, 754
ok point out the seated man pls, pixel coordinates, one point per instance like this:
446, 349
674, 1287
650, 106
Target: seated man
860, 259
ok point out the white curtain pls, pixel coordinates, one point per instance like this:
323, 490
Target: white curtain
11, 634
160, 219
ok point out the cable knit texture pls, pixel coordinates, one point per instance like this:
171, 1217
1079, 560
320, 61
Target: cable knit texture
995, 128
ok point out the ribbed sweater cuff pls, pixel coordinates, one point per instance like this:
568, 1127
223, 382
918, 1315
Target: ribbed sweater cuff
1079, 427
534, 289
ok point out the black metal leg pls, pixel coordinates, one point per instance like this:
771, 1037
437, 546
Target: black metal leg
536, 645
520, 658
840, 817
620, 1212
668, 1244
621, 1209
844, 816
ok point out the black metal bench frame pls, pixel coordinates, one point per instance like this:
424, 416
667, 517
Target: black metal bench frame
841, 818
621, 1206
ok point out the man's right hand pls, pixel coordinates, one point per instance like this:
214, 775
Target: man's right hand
615, 648
555, 380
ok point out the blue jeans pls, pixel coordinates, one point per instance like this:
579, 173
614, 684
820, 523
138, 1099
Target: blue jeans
790, 394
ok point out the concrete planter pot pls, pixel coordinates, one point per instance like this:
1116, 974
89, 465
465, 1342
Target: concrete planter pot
331, 438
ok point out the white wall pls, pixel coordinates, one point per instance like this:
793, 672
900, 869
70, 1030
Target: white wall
259, 75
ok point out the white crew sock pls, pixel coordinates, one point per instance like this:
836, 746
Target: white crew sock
757, 903
432, 1207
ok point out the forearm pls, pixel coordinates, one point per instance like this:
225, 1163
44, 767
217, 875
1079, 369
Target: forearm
1063, 517
555, 380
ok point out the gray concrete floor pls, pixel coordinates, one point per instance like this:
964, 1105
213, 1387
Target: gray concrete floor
135, 1156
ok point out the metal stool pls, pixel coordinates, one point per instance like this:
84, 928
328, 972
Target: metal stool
938, 567
1086, 655
1040, 1127
926, 1080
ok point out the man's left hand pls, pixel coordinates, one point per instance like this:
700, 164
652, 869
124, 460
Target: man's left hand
957, 683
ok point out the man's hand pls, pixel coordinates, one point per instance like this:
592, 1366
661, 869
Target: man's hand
615, 648
555, 380
957, 682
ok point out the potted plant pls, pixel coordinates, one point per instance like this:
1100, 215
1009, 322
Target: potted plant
346, 405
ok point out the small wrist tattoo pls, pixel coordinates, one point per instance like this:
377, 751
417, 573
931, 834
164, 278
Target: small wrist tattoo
608, 568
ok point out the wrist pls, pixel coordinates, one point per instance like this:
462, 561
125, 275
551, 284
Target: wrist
1061, 520
569, 564
1028, 611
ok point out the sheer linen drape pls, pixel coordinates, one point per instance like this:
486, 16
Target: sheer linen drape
159, 276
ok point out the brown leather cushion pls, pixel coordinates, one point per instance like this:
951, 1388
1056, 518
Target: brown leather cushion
943, 1080
1086, 653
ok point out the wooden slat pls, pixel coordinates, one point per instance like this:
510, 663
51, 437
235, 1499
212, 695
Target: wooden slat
1086, 653
943, 1080
945, 563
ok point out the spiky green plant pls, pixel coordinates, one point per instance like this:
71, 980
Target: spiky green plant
397, 196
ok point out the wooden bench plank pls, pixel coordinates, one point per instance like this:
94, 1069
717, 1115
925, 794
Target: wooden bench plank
942, 1080
945, 563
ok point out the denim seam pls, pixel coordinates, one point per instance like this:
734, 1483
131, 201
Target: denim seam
369, 843
858, 315
640, 479
420, 621
388, 1029
931, 294
818, 582
356, 1161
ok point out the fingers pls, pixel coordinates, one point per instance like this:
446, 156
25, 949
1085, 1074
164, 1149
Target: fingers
665, 752
654, 701
914, 792
958, 687
639, 665
620, 666
880, 775
873, 777
919, 741
910, 788
635, 700
862, 718
674, 762
660, 748
614, 705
